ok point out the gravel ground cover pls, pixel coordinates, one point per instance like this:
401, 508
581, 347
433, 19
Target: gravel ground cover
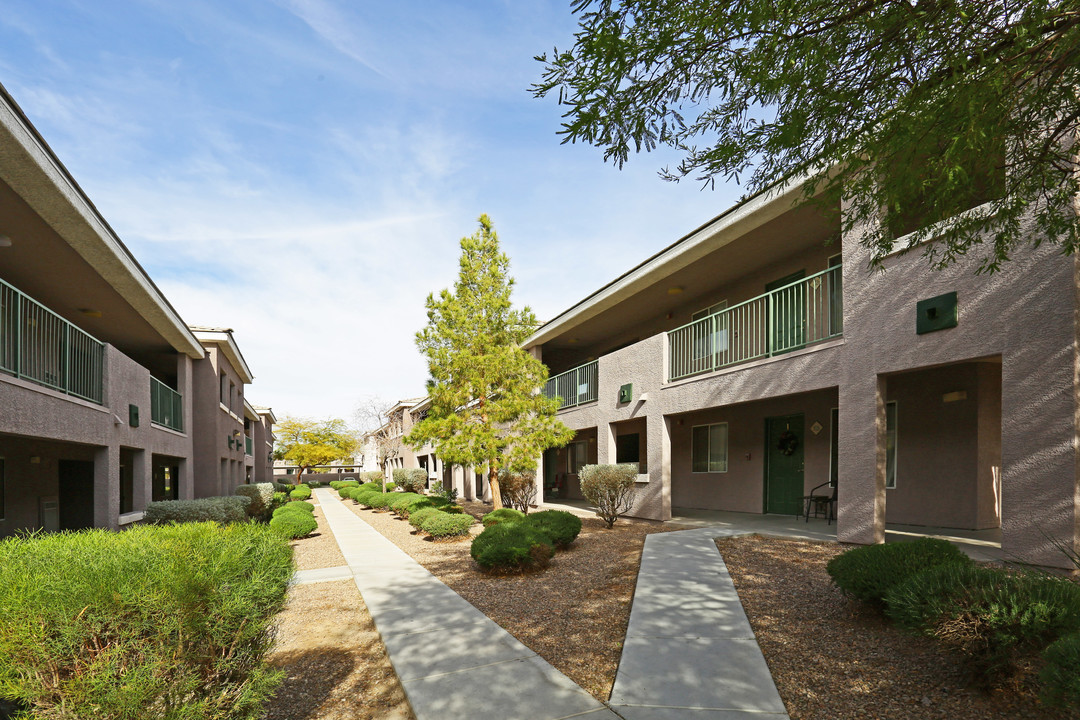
573, 614
335, 662
832, 657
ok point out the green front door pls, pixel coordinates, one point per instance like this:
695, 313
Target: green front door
784, 465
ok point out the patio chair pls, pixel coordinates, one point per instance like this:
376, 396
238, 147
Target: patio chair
823, 505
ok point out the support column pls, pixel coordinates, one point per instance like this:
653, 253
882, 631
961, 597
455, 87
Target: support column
605, 443
142, 482
107, 487
861, 464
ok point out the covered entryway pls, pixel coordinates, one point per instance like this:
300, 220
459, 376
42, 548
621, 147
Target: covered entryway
76, 486
784, 449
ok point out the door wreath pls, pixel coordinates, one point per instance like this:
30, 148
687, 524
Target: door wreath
787, 442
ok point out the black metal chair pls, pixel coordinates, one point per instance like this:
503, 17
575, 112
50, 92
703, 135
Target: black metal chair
823, 505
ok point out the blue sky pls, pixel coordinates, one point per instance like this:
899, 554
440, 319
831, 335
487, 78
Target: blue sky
302, 170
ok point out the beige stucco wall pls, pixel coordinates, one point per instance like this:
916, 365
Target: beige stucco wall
218, 467
40, 422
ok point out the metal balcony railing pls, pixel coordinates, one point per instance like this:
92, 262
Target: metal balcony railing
38, 345
791, 317
574, 387
166, 406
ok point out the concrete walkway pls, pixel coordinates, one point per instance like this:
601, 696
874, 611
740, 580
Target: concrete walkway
689, 650
451, 659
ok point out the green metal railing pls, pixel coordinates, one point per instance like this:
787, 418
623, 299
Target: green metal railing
574, 387
166, 406
248, 446
791, 317
38, 345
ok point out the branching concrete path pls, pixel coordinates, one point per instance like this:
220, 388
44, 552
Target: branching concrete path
689, 650
451, 659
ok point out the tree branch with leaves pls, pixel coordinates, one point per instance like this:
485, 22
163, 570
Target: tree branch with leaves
903, 108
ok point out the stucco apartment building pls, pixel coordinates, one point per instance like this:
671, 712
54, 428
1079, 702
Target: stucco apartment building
101, 382
759, 357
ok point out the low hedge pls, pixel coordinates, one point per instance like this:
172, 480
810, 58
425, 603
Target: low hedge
413, 505
93, 620
418, 517
302, 492
362, 496
398, 501
338, 484
562, 527
868, 573
502, 515
222, 510
297, 506
376, 486
262, 498
377, 500
1060, 676
511, 545
294, 520
992, 615
445, 525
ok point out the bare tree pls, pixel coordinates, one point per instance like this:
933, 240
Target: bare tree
383, 428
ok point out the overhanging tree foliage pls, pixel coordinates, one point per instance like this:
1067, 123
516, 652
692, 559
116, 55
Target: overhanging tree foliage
921, 108
308, 442
486, 406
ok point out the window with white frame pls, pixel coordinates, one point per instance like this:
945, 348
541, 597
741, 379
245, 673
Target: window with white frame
576, 456
890, 445
709, 448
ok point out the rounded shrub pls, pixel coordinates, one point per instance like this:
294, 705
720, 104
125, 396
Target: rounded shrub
378, 500
294, 524
512, 545
417, 518
297, 506
410, 479
412, 506
445, 525
1060, 676
373, 476
346, 492
376, 486
262, 498
992, 615
502, 515
302, 492
868, 573
562, 527
399, 500
362, 496
280, 499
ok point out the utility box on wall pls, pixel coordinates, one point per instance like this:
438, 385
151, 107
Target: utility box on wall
936, 313
626, 393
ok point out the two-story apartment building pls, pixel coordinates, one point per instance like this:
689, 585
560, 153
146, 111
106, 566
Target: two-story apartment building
98, 373
759, 357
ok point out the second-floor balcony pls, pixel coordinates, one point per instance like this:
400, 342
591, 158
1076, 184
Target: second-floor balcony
574, 387
788, 318
166, 406
38, 345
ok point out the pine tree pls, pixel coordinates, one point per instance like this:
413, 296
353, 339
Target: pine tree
486, 405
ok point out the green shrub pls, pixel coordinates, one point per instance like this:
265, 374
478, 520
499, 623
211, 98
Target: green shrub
293, 523
502, 515
338, 484
302, 492
412, 506
992, 615
399, 500
378, 500
417, 518
301, 506
448, 494
283, 487
410, 479
362, 496
312, 484
562, 527
280, 499
511, 545
867, 573
155, 623
376, 486
451, 509
517, 489
222, 510
346, 493
610, 489
1060, 676
444, 525
262, 498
